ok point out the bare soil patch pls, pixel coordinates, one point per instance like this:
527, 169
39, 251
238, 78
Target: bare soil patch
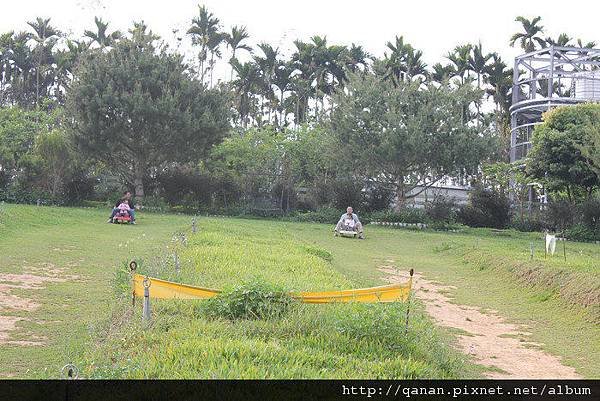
32, 279
486, 337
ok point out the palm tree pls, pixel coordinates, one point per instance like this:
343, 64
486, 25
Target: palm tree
500, 78
478, 62
414, 65
460, 58
530, 38
234, 41
302, 78
357, 58
267, 64
246, 83
101, 36
20, 65
6, 41
66, 60
45, 36
442, 73
203, 30
395, 62
588, 45
562, 40
214, 43
283, 82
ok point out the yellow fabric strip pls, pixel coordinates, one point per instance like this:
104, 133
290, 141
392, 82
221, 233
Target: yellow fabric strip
162, 289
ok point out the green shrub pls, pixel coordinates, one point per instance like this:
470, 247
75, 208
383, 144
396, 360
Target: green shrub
441, 210
323, 215
560, 214
528, 224
583, 233
155, 203
590, 213
486, 208
253, 300
406, 215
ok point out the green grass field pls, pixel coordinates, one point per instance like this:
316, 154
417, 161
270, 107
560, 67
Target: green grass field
89, 319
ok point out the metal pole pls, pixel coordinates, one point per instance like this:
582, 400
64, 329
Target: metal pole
176, 260
408, 302
132, 268
531, 250
194, 227
146, 312
551, 74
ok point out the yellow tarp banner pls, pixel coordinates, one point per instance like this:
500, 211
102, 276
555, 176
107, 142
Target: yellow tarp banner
162, 289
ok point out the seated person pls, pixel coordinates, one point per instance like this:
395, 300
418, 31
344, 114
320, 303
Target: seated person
126, 196
124, 209
350, 220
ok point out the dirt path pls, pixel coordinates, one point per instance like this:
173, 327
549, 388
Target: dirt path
488, 338
32, 279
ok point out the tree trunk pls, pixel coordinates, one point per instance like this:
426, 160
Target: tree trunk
138, 183
400, 195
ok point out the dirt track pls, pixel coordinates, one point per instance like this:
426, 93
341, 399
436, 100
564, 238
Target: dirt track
488, 338
32, 280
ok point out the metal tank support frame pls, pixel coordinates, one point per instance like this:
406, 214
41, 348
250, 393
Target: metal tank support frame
547, 78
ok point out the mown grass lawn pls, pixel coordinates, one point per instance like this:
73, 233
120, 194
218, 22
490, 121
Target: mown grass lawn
90, 323
80, 242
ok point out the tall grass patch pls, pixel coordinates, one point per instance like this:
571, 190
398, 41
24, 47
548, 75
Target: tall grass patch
253, 329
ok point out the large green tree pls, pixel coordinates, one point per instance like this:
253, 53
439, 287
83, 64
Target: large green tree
137, 108
406, 137
560, 145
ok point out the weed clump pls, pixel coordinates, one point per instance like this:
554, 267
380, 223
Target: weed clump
255, 299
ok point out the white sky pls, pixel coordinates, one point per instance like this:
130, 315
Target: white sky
432, 26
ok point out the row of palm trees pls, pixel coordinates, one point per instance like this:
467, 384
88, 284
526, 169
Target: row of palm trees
38, 64
267, 88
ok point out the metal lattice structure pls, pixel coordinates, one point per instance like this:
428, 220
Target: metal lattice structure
547, 78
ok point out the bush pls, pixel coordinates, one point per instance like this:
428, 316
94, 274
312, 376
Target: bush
528, 224
253, 300
560, 214
441, 210
325, 215
486, 208
590, 213
581, 232
155, 203
347, 192
406, 215
377, 198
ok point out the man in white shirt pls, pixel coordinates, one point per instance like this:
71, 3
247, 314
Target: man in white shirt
350, 219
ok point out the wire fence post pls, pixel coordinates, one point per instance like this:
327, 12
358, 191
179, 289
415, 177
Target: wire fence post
412, 271
194, 225
146, 312
132, 268
531, 250
176, 261
183, 239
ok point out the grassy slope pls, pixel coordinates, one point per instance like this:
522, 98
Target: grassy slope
460, 259
485, 269
311, 341
80, 241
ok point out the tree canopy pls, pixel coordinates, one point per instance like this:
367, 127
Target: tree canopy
136, 107
559, 147
406, 136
